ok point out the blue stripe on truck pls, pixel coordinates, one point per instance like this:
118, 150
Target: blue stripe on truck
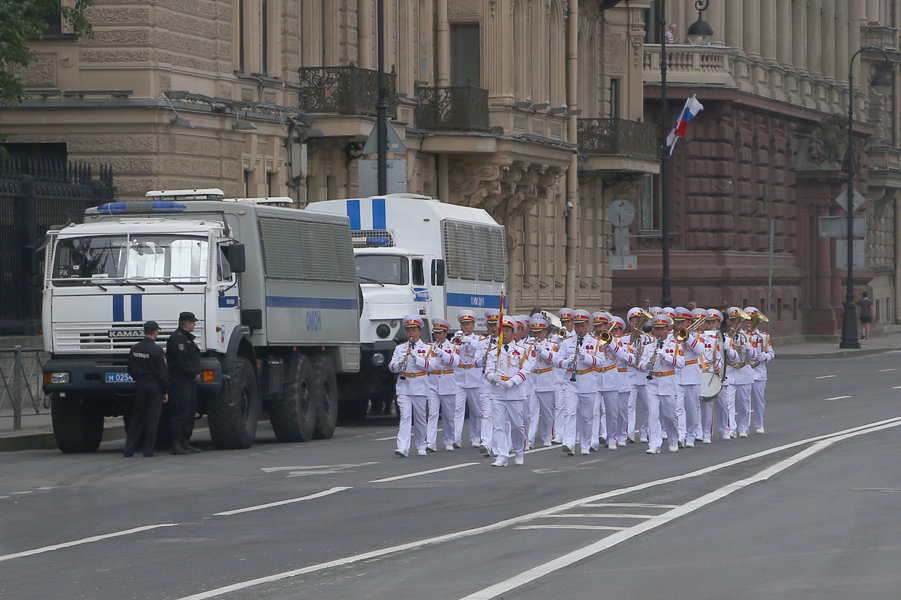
473, 300
297, 302
379, 216
353, 213
118, 308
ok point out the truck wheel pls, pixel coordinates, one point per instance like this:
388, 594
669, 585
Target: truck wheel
77, 426
325, 396
233, 416
293, 411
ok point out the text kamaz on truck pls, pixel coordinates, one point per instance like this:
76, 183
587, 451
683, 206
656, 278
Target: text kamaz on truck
274, 289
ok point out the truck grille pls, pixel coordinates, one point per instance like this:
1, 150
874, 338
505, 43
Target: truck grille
96, 337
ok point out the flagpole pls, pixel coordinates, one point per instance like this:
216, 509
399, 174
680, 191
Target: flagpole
666, 284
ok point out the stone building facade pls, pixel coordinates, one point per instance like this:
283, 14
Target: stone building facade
492, 99
768, 153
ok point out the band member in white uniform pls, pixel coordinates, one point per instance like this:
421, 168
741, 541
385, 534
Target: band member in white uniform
739, 374
661, 361
443, 357
711, 362
638, 400
620, 423
507, 370
765, 353
689, 378
566, 320
543, 382
606, 378
486, 346
410, 361
578, 358
469, 380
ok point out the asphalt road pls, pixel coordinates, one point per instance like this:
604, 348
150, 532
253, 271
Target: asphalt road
807, 510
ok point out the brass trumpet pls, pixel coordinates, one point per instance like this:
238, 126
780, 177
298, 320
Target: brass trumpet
757, 320
604, 338
643, 318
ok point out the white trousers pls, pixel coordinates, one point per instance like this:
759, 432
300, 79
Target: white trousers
485, 430
707, 419
614, 413
691, 403
743, 407
471, 397
638, 411
543, 418
448, 418
508, 417
412, 411
725, 408
579, 418
758, 389
661, 410
599, 419
559, 410
431, 427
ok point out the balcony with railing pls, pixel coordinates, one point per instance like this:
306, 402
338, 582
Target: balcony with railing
349, 90
455, 108
615, 137
687, 64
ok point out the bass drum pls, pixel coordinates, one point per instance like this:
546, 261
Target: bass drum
710, 386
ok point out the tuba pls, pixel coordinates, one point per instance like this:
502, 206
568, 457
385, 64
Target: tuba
757, 320
554, 321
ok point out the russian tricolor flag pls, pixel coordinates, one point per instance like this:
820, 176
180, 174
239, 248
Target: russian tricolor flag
692, 108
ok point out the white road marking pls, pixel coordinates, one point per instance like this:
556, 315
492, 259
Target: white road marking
615, 539
586, 527
825, 376
418, 473
515, 521
385, 439
627, 504
21, 493
301, 468
897, 387
886, 370
328, 492
838, 398
599, 515
87, 540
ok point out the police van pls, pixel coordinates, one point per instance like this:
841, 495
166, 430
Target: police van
414, 254
274, 290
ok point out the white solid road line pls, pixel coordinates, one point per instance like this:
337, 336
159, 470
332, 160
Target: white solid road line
318, 467
886, 370
825, 376
328, 492
515, 521
617, 538
838, 398
418, 473
585, 527
598, 516
627, 505
87, 540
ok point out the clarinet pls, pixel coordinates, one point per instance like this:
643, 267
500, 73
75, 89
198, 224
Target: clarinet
654, 359
403, 365
487, 350
576, 357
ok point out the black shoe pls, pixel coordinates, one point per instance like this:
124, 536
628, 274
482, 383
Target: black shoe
149, 454
177, 448
192, 449
127, 453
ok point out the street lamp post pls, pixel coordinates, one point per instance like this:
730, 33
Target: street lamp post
849, 322
699, 31
382, 107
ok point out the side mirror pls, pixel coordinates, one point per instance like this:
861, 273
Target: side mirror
235, 255
438, 271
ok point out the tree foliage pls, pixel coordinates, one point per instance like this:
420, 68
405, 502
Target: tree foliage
22, 21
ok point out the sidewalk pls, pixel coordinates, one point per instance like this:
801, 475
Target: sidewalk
37, 431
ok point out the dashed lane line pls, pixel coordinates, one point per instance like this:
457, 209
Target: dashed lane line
516, 521
585, 527
86, 540
598, 516
328, 492
825, 376
429, 472
838, 398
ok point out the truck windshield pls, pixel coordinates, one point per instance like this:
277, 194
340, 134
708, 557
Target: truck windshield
380, 268
145, 258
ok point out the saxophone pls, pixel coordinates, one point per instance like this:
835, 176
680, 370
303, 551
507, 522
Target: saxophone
654, 359
487, 350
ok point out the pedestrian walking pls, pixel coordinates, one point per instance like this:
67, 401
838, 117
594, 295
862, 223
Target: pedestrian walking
183, 357
147, 366
866, 315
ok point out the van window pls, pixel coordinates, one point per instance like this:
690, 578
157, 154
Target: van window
418, 276
379, 268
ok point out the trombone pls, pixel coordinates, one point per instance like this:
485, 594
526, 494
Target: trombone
681, 333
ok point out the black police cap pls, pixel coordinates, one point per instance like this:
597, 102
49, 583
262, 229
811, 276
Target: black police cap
151, 326
187, 316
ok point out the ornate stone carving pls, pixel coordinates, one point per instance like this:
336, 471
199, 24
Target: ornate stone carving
828, 143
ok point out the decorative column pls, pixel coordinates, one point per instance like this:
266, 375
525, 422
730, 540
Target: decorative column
842, 29
572, 173
872, 15
857, 20
799, 37
498, 36
784, 32
814, 36
768, 29
442, 30
364, 12
827, 40
734, 16
751, 26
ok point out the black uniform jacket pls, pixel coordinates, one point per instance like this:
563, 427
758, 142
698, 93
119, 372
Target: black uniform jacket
146, 360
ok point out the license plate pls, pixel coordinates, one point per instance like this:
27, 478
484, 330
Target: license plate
118, 378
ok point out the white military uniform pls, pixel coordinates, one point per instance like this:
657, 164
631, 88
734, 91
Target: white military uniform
444, 391
543, 383
470, 380
689, 395
412, 366
661, 361
736, 391
508, 370
762, 343
711, 362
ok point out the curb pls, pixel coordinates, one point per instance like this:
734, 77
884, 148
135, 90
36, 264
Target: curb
45, 440
838, 354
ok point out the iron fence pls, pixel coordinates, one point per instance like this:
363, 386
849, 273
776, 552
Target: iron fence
618, 137
461, 108
349, 90
21, 379
35, 195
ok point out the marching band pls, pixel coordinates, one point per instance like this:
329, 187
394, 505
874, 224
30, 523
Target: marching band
582, 380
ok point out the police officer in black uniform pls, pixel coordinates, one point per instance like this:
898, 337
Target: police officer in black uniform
147, 366
183, 357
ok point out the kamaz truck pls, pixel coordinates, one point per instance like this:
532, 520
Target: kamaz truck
417, 255
274, 290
